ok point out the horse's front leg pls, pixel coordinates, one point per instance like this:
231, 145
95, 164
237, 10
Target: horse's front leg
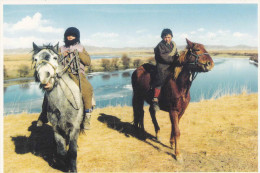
61, 150
72, 152
175, 134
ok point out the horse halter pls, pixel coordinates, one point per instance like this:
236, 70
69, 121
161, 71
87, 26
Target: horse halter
45, 61
196, 62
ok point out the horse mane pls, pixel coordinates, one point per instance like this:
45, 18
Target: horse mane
44, 46
181, 59
177, 70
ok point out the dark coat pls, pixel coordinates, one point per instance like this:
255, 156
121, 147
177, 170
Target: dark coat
165, 56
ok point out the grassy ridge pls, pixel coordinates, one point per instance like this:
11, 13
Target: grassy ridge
216, 135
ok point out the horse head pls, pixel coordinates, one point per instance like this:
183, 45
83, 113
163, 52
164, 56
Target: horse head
46, 63
196, 58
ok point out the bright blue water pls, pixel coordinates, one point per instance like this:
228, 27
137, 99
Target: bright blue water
229, 76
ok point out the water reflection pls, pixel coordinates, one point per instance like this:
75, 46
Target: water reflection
25, 86
115, 75
126, 74
89, 77
106, 76
5, 88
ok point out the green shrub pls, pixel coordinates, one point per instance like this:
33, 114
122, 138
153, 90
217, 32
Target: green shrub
125, 61
137, 63
114, 63
23, 70
105, 63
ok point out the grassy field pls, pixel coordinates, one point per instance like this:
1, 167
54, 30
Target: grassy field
216, 135
13, 62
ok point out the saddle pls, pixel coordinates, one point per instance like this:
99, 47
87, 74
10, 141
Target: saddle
151, 69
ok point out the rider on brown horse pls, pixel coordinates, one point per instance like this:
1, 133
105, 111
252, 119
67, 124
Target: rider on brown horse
166, 55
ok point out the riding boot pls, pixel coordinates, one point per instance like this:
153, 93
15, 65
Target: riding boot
87, 119
155, 99
93, 101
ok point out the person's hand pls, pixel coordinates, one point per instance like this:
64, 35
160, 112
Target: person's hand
66, 53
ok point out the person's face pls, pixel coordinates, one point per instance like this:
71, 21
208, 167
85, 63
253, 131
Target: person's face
167, 38
70, 37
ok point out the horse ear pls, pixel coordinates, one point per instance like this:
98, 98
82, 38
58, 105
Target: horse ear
35, 47
189, 43
56, 47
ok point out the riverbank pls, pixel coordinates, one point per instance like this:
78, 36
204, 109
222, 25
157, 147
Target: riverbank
20, 65
216, 136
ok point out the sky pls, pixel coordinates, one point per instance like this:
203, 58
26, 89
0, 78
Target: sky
130, 25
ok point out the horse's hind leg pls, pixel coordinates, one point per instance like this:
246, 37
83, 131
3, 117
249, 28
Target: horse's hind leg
155, 123
72, 152
138, 103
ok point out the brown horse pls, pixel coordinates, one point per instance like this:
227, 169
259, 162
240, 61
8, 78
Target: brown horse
175, 94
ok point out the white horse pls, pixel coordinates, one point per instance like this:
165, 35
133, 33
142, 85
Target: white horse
65, 107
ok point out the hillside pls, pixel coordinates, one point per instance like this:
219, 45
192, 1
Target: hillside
216, 136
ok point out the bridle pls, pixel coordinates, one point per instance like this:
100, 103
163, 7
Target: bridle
45, 61
196, 62
56, 74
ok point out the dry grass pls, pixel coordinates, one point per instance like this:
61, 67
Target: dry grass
216, 135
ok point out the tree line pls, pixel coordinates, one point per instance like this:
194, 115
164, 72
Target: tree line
113, 64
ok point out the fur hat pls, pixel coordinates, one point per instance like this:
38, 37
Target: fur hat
71, 31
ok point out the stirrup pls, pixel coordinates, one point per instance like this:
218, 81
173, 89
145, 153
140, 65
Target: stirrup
155, 104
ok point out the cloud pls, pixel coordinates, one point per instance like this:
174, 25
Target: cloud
201, 29
216, 37
26, 42
211, 35
30, 29
240, 35
34, 23
223, 32
102, 39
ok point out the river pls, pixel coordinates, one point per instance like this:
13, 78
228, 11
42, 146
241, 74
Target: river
229, 76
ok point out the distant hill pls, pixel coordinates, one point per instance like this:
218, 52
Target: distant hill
94, 49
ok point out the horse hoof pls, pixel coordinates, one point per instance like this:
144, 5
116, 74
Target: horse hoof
39, 123
179, 158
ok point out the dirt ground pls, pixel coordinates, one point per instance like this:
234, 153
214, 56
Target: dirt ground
216, 136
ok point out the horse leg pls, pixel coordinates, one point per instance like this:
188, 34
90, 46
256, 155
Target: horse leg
138, 103
61, 150
61, 144
175, 134
155, 123
72, 152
